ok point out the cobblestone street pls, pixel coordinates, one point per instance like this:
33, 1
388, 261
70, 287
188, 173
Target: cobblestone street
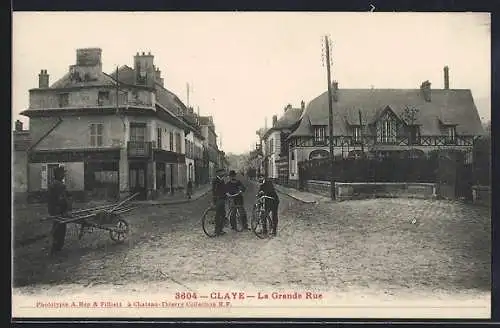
390, 244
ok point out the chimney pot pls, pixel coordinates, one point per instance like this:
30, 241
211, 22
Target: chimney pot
43, 79
335, 87
275, 119
143, 53
425, 88
446, 78
302, 104
19, 125
149, 53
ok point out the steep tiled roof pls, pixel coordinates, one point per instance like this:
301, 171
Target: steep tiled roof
66, 81
289, 118
446, 107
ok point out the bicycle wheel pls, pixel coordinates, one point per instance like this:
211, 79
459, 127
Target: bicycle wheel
238, 218
208, 222
259, 225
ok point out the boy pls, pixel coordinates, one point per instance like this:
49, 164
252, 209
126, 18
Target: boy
219, 200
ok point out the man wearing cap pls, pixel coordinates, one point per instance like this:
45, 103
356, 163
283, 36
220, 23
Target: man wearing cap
219, 200
58, 205
233, 187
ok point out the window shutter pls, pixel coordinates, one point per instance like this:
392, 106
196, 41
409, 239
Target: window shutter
44, 176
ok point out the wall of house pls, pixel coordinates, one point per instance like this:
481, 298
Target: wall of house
74, 177
88, 97
19, 176
74, 132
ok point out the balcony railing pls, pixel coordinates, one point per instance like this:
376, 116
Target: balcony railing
141, 149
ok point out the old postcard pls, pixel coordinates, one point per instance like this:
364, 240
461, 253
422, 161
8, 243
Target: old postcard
258, 165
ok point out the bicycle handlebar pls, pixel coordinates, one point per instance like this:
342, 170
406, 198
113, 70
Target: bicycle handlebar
234, 195
264, 196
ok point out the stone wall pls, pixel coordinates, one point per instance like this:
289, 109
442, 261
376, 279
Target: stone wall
347, 191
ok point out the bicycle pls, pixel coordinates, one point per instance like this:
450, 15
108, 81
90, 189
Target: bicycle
208, 218
261, 218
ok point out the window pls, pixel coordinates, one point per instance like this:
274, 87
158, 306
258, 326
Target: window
171, 141
63, 99
414, 135
319, 135
178, 147
138, 132
48, 174
271, 146
96, 134
103, 98
388, 131
293, 156
356, 132
452, 134
158, 138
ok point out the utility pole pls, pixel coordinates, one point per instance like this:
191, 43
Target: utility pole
361, 133
330, 116
117, 91
187, 89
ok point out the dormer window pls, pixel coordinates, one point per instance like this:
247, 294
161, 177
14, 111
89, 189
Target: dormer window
414, 134
356, 133
319, 135
452, 134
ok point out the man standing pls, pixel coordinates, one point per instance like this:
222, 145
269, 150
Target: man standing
58, 205
233, 187
267, 188
219, 200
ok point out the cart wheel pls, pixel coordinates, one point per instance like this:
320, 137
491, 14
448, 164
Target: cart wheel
120, 231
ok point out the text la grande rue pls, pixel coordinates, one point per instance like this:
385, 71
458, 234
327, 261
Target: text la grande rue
289, 296
267, 296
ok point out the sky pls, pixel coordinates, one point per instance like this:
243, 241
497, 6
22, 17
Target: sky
244, 67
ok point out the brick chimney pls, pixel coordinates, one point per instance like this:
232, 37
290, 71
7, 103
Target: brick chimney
302, 105
144, 69
446, 77
425, 89
158, 77
43, 79
275, 120
335, 89
19, 125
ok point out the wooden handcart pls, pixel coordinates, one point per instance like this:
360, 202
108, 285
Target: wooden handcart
106, 217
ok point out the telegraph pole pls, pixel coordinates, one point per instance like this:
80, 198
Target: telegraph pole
330, 116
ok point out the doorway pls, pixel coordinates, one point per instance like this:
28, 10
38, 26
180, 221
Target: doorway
137, 179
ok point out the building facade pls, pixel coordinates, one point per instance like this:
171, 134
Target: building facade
212, 156
276, 145
115, 134
20, 145
383, 122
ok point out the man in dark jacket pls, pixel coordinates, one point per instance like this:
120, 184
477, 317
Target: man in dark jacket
58, 205
233, 187
219, 200
267, 188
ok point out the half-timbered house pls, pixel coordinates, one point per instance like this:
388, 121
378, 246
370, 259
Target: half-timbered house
384, 122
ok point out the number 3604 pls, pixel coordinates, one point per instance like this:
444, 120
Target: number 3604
185, 296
